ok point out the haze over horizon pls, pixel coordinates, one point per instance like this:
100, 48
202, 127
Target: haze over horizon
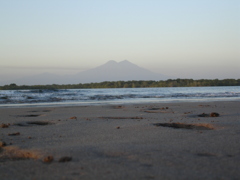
109, 71
182, 39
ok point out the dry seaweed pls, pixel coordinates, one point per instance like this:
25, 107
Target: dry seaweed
186, 126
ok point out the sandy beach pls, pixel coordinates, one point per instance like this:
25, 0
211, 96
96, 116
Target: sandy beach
194, 140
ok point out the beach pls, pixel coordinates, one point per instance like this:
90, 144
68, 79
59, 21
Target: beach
183, 140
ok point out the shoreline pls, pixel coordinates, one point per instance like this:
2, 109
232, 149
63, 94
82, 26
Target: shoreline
122, 141
117, 102
78, 97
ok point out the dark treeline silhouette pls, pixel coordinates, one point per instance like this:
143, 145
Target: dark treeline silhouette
131, 84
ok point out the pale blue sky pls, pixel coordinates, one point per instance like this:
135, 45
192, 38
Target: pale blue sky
181, 38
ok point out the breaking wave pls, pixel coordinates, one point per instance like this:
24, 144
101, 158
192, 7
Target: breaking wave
128, 94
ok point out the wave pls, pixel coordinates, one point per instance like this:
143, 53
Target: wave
85, 95
38, 91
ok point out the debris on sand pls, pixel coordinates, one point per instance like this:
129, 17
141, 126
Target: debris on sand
41, 123
65, 159
15, 153
2, 144
186, 126
48, 159
213, 114
4, 125
29, 115
203, 115
29, 123
158, 110
121, 117
118, 107
74, 117
14, 134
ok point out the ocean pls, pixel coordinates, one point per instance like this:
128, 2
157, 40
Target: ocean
78, 97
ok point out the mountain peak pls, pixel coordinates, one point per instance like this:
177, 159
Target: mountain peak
119, 64
125, 61
115, 62
111, 62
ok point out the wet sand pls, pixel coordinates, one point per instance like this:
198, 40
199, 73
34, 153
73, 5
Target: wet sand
139, 141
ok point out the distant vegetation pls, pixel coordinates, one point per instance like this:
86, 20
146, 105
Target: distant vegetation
132, 84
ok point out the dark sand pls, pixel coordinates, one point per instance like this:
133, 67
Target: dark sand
144, 141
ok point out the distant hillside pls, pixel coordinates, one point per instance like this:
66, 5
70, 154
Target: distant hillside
110, 71
122, 71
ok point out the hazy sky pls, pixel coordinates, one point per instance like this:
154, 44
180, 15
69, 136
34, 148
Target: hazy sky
181, 38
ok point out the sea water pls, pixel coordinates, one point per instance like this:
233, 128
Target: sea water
12, 98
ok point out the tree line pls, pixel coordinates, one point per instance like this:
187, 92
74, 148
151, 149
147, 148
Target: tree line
131, 84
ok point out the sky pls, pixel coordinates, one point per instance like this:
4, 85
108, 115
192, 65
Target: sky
183, 39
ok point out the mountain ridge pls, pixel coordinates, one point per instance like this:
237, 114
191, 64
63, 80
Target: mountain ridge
109, 71
119, 71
